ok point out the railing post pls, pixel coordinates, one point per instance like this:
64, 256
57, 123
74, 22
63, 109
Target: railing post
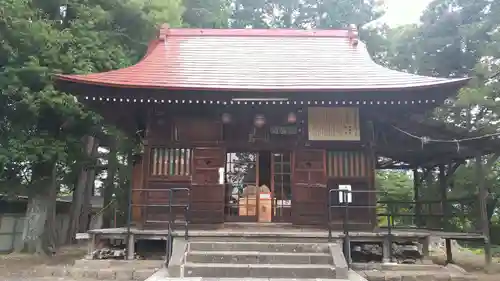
169, 229
329, 209
347, 238
186, 215
389, 234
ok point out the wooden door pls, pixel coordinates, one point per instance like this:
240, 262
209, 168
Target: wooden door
281, 186
207, 191
309, 201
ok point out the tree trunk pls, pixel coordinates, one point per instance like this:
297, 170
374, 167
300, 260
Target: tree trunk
85, 214
109, 186
89, 191
79, 194
52, 227
37, 231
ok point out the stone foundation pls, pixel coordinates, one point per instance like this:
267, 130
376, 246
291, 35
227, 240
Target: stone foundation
101, 270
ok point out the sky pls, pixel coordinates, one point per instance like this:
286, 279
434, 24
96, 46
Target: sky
401, 12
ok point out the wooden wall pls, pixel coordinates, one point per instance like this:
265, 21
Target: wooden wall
137, 182
180, 152
188, 152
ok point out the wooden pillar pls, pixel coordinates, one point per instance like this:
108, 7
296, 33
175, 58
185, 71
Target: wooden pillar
443, 190
483, 194
416, 197
449, 252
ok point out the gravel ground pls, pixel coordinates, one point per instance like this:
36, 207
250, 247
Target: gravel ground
13, 265
471, 262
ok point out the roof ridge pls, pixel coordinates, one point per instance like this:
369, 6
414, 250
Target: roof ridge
351, 33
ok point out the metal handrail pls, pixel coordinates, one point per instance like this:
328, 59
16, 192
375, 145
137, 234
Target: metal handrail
345, 222
170, 205
444, 214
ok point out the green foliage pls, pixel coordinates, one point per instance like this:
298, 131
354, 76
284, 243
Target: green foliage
303, 14
396, 186
207, 13
40, 38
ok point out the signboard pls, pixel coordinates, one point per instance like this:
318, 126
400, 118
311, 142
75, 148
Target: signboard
283, 130
333, 124
345, 195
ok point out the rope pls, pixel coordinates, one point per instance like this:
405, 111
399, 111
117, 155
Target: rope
428, 139
425, 140
102, 210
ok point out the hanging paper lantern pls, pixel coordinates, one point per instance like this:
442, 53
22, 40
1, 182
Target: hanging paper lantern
226, 118
259, 120
292, 118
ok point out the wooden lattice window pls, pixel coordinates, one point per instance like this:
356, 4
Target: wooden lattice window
171, 161
347, 164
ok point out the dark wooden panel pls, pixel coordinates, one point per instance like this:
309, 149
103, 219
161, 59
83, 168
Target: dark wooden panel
206, 202
207, 205
208, 192
160, 126
308, 177
207, 162
198, 129
162, 202
167, 192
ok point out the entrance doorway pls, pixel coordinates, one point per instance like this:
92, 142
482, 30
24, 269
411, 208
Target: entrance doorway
249, 178
240, 174
281, 186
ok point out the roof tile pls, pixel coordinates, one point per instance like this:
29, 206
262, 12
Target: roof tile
260, 60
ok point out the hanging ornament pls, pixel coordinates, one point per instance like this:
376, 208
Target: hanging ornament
259, 121
226, 118
292, 118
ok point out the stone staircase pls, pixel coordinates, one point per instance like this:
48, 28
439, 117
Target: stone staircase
257, 258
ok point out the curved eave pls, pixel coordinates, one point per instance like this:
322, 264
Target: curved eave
86, 80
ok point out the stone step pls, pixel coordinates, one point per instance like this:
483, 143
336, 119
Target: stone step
219, 270
253, 257
270, 239
257, 246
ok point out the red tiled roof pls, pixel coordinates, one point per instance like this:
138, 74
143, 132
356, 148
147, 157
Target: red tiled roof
258, 60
